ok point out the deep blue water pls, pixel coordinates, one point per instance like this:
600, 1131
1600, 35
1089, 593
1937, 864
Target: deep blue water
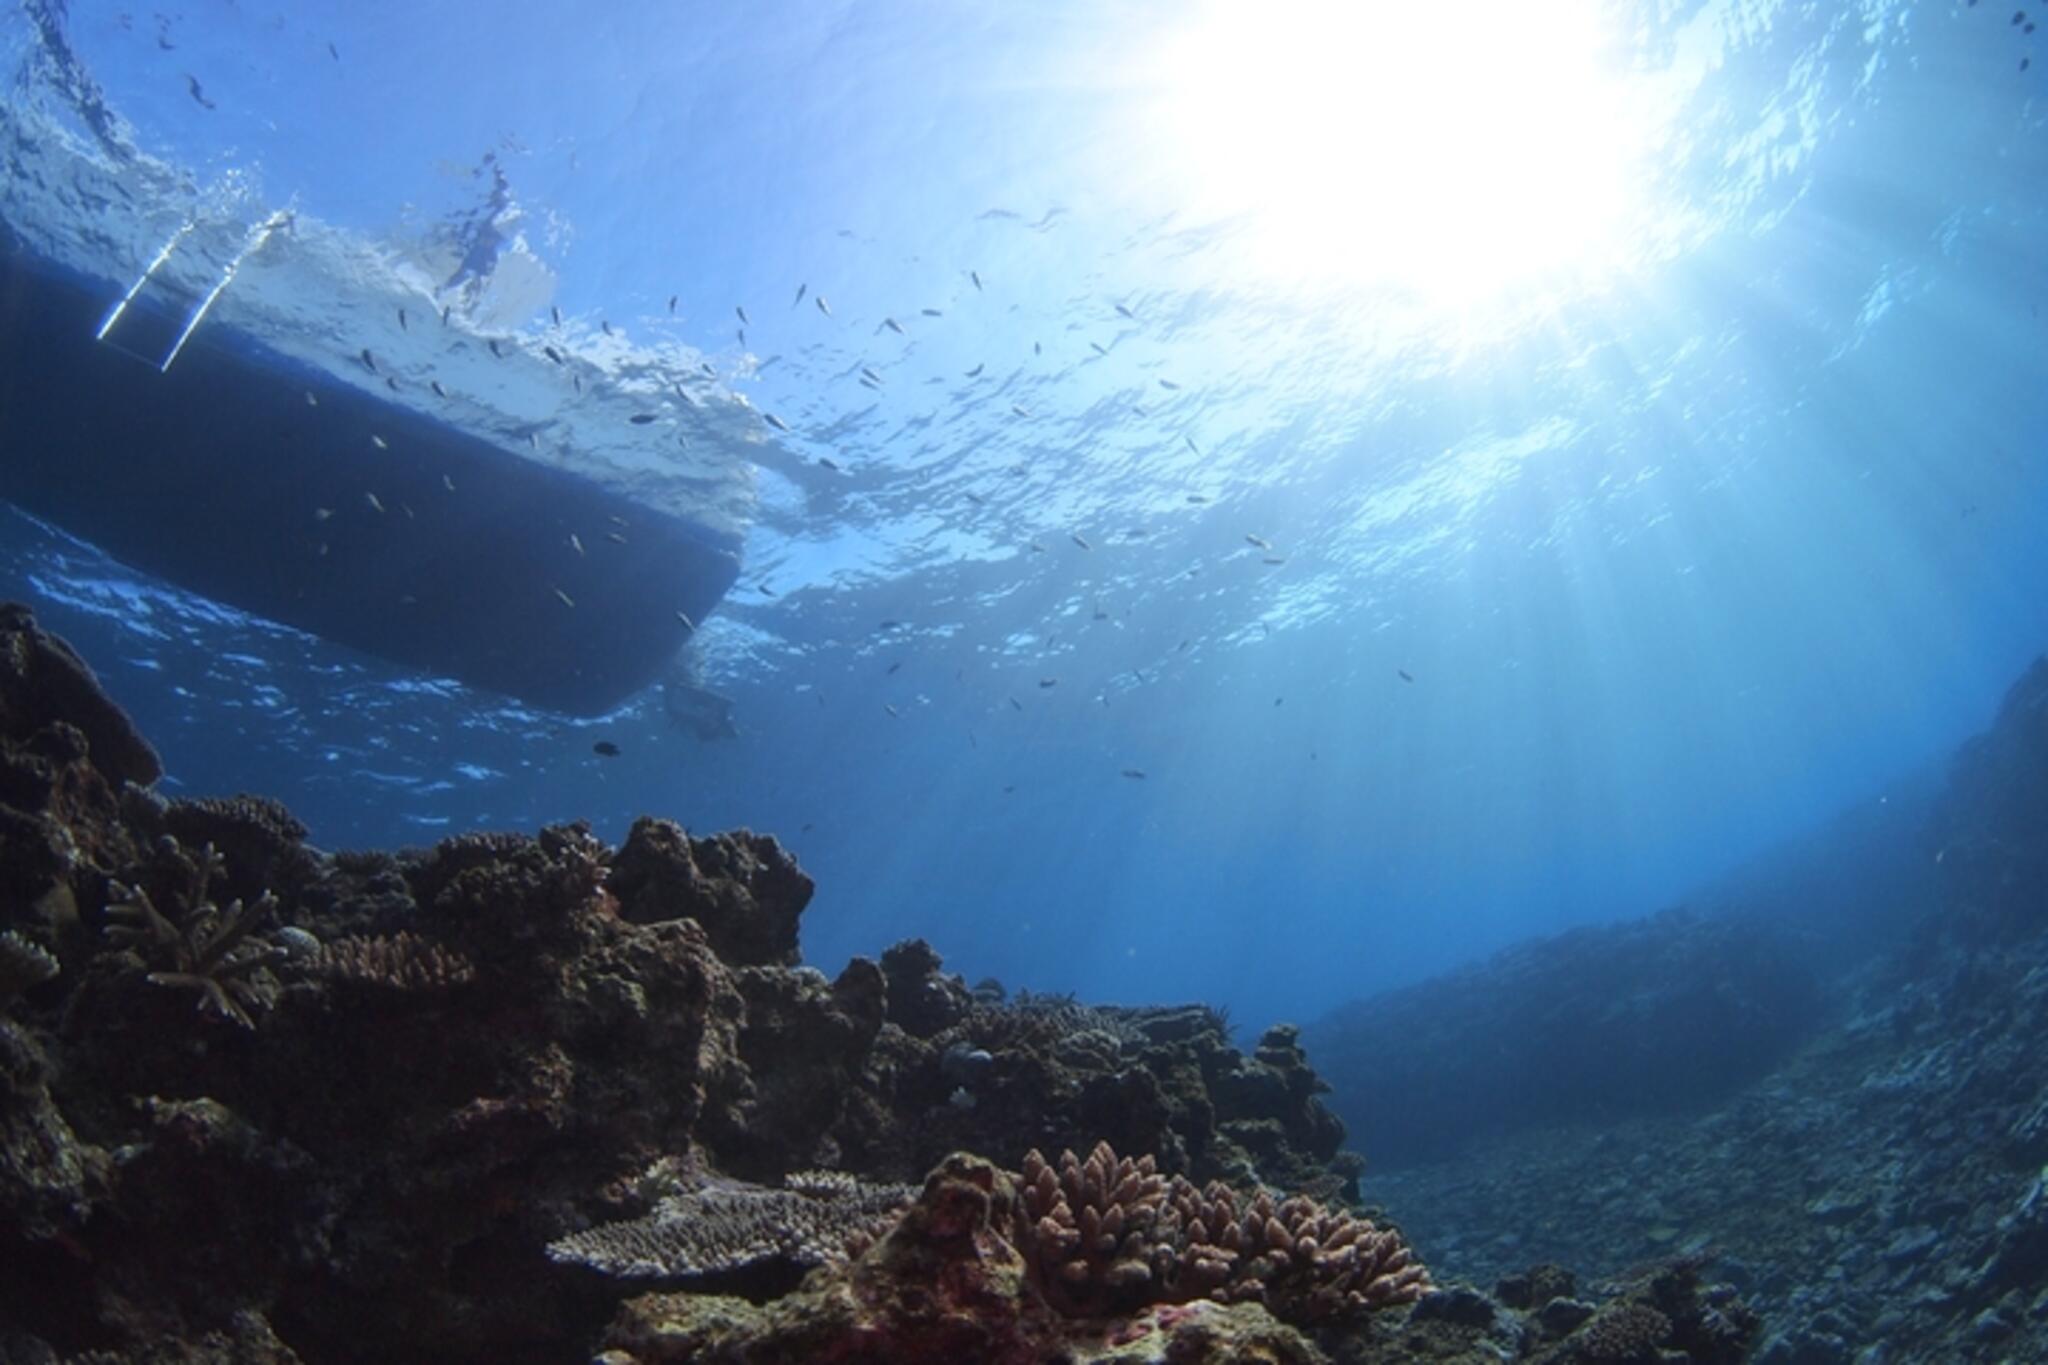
1493, 521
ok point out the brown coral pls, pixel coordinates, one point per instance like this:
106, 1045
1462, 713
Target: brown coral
401, 961
24, 963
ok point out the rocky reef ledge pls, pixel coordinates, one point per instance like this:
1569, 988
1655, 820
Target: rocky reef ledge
533, 1098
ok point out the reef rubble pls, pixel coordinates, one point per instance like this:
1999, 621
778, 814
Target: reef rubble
533, 1098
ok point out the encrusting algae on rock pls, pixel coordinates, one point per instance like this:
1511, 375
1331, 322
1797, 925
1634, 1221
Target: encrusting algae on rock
260, 1102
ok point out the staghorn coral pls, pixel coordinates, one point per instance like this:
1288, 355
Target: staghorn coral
24, 963
1111, 1234
206, 949
401, 961
718, 1224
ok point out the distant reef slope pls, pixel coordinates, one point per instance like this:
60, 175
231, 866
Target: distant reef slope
1677, 1011
1596, 1024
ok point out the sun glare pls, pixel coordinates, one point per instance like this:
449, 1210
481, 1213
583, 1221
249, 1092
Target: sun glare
1454, 152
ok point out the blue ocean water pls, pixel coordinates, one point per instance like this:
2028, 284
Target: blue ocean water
1267, 510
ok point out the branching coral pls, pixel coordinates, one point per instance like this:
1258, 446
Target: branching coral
207, 949
1111, 1234
399, 961
1106, 1236
23, 964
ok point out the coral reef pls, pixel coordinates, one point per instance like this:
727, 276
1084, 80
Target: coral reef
461, 1102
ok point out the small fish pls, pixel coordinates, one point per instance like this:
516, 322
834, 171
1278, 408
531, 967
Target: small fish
575, 544
799, 295
192, 84
1016, 705
1007, 790
496, 350
1404, 675
1100, 349
401, 321
379, 441
556, 314
975, 498
672, 305
447, 311
1036, 548
1197, 499
975, 275
1278, 700
1274, 559
311, 401
764, 590
323, 549
604, 327
1182, 647
435, 385
745, 321
1169, 385
742, 333
375, 506
870, 384
1135, 774
1076, 538
567, 600
975, 373
772, 420
617, 521
688, 624
1048, 682
369, 361
447, 483
890, 709
390, 383
931, 312
641, 419
533, 439
552, 354
894, 326
322, 513
577, 380
823, 306
334, 52
614, 537
890, 625
1020, 410
891, 669
1037, 348
605, 748
1125, 312
828, 464
867, 373
807, 828
1260, 541
1191, 444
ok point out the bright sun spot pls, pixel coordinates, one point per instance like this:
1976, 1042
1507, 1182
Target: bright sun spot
1454, 152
